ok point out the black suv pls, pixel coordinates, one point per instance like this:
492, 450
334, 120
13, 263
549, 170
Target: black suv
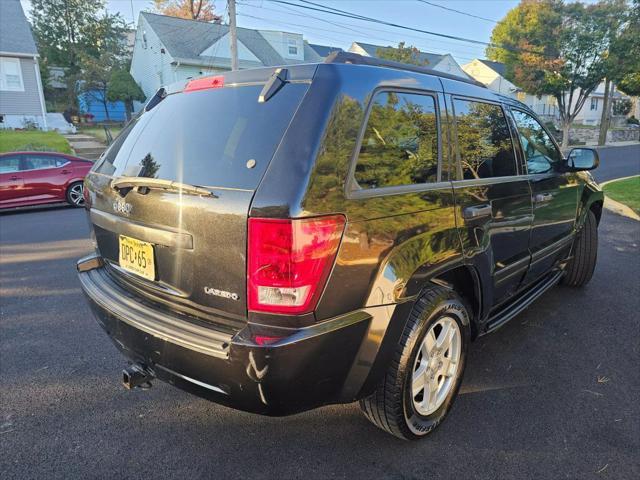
279, 239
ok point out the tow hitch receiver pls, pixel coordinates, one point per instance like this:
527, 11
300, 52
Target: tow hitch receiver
136, 375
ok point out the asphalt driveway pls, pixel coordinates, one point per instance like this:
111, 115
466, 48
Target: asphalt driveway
554, 394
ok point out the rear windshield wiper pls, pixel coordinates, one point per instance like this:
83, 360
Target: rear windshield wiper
124, 183
274, 84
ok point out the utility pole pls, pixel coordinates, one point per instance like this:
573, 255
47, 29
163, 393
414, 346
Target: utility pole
233, 34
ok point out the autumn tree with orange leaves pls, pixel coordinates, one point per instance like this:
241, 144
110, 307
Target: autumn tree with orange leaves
557, 48
201, 10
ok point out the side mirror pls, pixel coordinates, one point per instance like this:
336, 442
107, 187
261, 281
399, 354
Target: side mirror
583, 159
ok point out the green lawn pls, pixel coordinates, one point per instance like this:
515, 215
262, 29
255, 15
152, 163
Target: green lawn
625, 191
15, 140
98, 132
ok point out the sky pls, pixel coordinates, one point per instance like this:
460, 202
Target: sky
326, 29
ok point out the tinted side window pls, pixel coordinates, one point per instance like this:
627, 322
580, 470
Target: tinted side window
400, 143
34, 162
541, 153
9, 164
484, 140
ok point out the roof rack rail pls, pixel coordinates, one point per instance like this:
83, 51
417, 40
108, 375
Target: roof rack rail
354, 58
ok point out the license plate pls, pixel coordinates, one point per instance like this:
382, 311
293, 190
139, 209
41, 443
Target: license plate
136, 257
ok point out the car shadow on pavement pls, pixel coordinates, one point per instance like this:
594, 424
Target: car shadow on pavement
36, 209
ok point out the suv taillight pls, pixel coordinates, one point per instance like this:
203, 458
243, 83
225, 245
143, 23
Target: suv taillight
289, 262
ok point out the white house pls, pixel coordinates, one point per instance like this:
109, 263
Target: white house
442, 63
591, 112
169, 49
21, 96
492, 74
324, 50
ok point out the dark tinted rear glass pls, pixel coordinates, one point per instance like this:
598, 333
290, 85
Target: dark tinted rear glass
206, 137
400, 144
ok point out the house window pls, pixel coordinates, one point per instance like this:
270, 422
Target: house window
594, 104
293, 50
11, 74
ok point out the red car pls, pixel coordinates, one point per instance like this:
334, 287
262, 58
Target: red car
34, 178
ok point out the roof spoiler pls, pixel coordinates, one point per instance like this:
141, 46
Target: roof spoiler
355, 59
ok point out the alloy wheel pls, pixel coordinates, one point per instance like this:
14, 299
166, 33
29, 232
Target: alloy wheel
76, 194
436, 366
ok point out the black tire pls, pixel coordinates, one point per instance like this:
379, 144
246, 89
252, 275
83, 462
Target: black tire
391, 406
585, 253
72, 194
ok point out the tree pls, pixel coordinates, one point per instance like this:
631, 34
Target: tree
630, 84
403, 54
69, 32
201, 10
123, 87
623, 55
622, 106
553, 48
93, 82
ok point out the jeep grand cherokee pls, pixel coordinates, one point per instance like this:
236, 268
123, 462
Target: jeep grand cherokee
280, 239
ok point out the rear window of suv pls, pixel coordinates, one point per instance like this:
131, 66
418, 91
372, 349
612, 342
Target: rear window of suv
206, 138
400, 143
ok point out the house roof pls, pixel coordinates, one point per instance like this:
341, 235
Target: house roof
324, 50
431, 59
186, 39
15, 31
497, 67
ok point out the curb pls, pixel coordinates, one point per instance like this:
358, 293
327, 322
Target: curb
617, 207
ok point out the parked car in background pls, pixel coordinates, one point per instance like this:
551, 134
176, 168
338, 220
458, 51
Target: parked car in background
35, 178
280, 240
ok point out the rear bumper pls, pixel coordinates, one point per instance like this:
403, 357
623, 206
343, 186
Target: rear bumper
302, 369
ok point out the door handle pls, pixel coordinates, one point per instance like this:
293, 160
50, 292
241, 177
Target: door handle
543, 197
64, 172
476, 211
14, 178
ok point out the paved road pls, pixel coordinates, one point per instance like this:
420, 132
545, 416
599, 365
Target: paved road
554, 394
617, 162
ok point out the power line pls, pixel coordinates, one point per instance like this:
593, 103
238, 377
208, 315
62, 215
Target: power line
292, 11
345, 34
457, 11
439, 47
344, 13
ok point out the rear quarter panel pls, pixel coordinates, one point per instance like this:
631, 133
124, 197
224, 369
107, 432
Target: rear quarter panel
391, 240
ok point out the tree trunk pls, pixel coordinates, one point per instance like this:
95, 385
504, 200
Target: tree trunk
565, 133
106, 106
128, 107
604, 119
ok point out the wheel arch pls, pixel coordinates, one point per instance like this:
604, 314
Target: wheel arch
592, 200
596, 208
465, 281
